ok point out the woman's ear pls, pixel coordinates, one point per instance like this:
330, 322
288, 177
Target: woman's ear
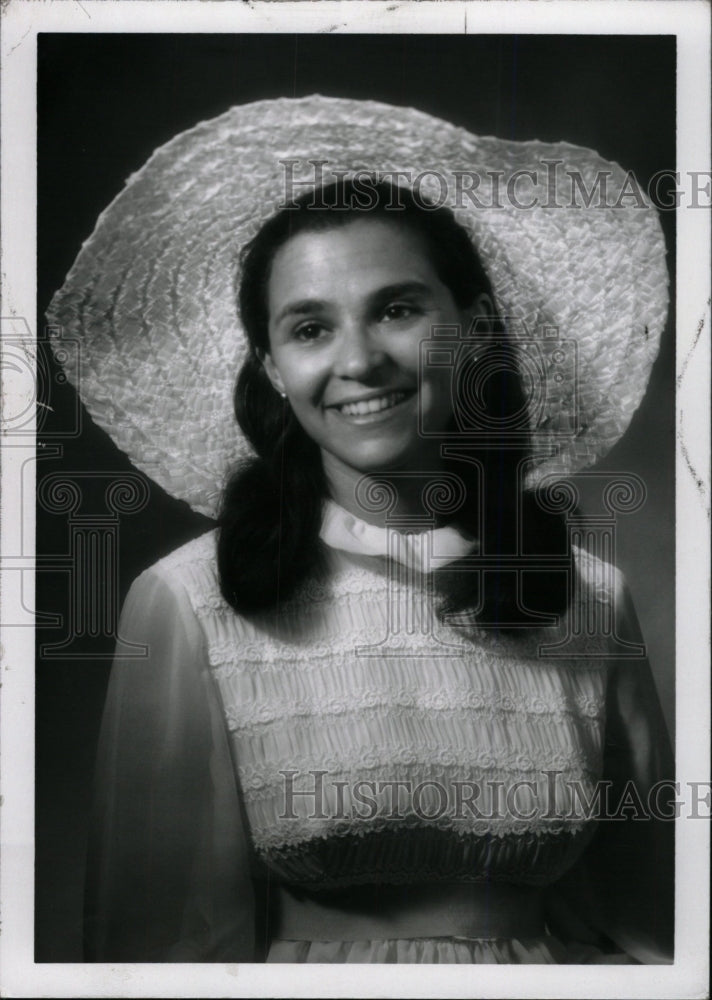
272, 373
482, 317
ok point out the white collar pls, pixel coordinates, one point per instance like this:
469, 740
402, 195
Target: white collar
424, 551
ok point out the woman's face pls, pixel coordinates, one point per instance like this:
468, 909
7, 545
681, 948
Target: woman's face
348, 309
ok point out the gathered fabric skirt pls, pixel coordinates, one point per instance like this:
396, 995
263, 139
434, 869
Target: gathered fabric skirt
546, 950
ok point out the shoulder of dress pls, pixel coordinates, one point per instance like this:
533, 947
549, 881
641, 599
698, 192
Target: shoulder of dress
192, 568
198, 551
603, 579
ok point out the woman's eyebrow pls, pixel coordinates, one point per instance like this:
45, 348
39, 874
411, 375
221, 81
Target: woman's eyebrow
301, 307
400, 289
378, 297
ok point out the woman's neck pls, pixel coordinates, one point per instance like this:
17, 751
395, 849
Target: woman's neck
378, 498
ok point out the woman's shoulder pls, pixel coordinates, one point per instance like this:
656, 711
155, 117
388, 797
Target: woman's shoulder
190, 569
602, 580
200, 551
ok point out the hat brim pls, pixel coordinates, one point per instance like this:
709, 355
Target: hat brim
151, 295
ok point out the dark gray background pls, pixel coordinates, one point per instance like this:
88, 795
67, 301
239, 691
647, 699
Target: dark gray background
105, 102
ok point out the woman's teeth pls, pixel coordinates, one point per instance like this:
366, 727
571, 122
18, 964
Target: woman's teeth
371, 405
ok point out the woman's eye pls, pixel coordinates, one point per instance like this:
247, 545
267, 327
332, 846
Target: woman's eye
309, 331
398, 310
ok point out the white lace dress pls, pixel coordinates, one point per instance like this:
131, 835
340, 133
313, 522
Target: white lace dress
351, 780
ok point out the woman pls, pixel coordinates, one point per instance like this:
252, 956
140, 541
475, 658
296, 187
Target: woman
355, 736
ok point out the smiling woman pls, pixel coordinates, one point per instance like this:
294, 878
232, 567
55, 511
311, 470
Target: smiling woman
348, 357
337, 302
379, 698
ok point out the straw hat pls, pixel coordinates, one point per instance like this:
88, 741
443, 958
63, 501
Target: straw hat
151, 295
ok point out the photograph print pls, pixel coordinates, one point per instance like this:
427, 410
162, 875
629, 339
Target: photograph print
355, 498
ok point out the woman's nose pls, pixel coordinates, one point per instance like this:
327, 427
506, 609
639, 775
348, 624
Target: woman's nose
357, 356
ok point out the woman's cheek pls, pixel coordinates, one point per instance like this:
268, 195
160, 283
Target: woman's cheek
306, 372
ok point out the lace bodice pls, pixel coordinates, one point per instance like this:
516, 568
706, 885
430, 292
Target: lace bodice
354, 685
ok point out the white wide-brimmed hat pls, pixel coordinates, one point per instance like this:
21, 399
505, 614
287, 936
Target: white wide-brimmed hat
575, 255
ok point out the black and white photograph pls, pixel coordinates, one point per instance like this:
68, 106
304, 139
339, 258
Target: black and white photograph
356, 501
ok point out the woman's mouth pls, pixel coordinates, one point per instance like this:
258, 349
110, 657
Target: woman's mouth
376, 404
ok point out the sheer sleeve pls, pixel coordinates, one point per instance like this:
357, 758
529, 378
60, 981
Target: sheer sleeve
168, 866
623, 887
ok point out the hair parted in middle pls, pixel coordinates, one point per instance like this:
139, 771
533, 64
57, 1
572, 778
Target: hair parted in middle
272, 506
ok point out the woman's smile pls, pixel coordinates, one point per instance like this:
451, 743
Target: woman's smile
370, 408
349, 308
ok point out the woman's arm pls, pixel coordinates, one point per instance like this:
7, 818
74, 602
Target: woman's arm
168, 866
635, 856
624, 885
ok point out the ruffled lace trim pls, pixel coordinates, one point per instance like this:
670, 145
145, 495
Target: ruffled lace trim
245, 652
462, 763
457, 700
306, 834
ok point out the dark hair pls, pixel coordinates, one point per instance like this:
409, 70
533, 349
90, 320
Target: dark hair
272, 507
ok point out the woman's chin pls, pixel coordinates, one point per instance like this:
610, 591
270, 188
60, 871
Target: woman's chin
386, 461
